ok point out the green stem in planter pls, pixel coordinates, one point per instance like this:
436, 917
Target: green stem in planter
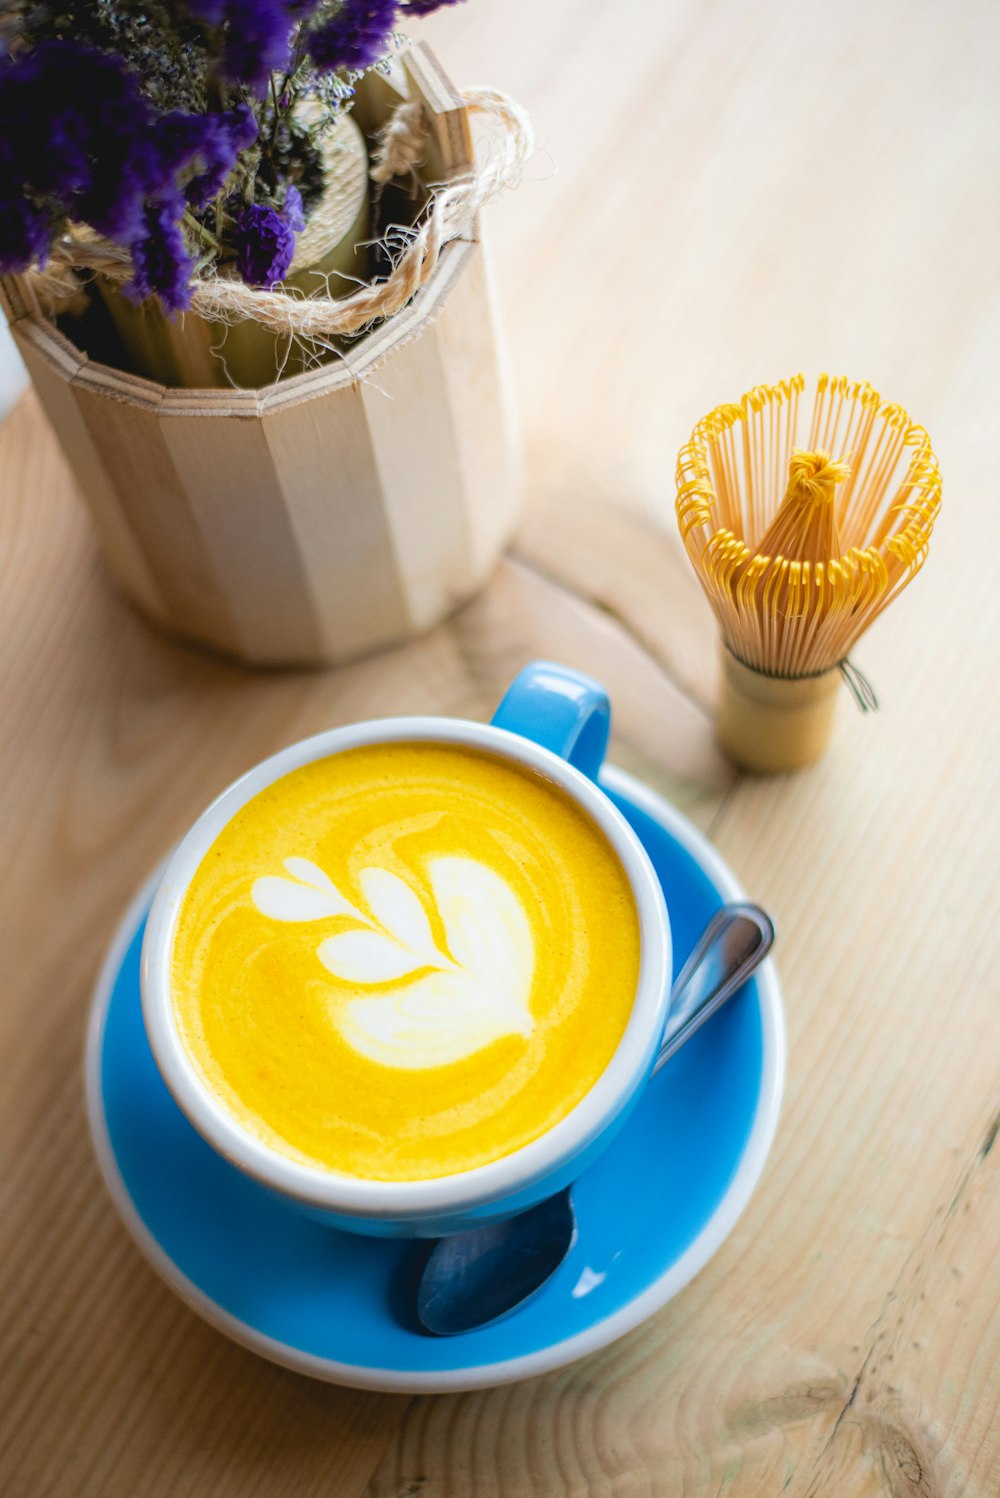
205, 235
215, 92
277, 117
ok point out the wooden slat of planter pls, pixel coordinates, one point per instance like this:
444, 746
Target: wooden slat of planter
122, 550
243, 518
14, 297
377, 96
343, 533
128, 437
363, 362
448, 152
409, 415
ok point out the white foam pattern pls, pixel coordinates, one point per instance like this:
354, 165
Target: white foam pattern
432, 1007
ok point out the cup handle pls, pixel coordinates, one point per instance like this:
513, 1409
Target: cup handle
560, 709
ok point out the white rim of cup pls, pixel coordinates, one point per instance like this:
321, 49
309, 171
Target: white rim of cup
518, 1171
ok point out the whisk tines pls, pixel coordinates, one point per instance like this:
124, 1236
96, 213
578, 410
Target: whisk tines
799, 550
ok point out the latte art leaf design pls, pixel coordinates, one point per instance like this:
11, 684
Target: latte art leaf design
394, 903
433, 1007
366, 957
310, 896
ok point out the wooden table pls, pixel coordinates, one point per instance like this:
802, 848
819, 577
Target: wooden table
724, 193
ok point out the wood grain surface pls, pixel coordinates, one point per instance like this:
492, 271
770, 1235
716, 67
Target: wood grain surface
723, 194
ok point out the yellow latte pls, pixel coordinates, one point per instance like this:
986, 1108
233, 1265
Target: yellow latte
405, 960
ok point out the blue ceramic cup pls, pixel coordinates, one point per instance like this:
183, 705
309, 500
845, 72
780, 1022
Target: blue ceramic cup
553, 721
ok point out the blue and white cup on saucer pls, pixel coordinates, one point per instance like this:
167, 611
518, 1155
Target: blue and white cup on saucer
554, 721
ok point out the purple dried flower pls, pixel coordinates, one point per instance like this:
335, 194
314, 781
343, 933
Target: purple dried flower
265, 244
255, 35
26, 231
356, 37
210, 142
161, 259
293, 211
78, 141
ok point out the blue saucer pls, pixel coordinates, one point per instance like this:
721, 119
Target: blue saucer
652, 1209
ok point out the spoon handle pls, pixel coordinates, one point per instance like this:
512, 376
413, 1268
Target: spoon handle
735, 942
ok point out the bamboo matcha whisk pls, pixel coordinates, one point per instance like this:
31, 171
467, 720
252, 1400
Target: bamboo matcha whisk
800, 540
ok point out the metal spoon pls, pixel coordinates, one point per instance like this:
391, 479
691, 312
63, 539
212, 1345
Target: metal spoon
477, 1276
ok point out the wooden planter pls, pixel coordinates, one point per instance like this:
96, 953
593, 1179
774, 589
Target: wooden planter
322, 516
